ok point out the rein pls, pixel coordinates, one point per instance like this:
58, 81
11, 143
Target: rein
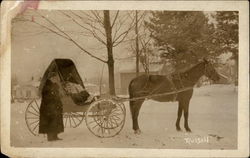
123, 99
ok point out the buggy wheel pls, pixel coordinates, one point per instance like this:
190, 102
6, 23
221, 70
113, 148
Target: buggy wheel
105, 117
32, 116
72, 119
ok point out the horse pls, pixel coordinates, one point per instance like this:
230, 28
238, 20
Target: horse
177, 87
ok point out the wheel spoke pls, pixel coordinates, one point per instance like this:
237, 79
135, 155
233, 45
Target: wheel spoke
108, 123
98, 130
91, 122
34, 122
116, 122
77, 117
95, 126
66, 120
35, 109
35, 127
32, 118
73, 121
33, 113
117, 118
111, 123
37, 105
102, 128
115, 109
117, 113
70, 121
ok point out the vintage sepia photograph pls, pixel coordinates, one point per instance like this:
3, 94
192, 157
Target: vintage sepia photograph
124, 78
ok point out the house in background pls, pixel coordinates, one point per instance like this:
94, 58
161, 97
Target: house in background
25, 91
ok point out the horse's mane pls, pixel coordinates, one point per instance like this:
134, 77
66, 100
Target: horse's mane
186, 69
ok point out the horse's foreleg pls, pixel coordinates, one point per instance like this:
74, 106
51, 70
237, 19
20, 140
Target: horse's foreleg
186, 111
135, 107
177, 124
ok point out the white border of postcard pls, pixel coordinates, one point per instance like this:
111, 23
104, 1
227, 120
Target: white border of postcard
9, 10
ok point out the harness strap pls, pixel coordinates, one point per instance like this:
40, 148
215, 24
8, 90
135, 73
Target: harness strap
180, 80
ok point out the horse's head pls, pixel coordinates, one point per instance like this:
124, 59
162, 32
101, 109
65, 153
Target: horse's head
210, 71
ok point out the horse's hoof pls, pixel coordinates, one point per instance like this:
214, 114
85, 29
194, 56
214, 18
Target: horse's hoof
178, 129
188, 130
137, 131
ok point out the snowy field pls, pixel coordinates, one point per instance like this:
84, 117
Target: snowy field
212, 119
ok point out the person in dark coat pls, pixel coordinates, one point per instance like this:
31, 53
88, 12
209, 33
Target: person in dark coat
51, 110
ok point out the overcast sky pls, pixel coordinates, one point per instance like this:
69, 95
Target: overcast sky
33, 48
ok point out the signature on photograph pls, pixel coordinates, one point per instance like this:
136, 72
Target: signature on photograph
197, 140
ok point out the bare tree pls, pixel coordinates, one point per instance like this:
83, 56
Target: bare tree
108, 29
142, 42
137, 43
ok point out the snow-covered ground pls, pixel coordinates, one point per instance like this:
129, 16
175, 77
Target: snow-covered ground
212, 118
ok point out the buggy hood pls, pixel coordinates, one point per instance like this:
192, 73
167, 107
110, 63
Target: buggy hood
65, 69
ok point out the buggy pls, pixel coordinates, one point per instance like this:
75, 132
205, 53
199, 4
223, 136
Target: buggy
104, 117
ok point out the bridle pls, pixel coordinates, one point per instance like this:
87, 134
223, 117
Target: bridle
206, 71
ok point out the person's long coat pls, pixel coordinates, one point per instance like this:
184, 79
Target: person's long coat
51, 119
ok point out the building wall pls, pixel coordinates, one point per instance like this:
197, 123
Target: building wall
25, 92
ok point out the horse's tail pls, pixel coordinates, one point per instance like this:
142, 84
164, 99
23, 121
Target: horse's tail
130, 89
130, 92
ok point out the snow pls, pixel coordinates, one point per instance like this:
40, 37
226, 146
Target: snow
212, 119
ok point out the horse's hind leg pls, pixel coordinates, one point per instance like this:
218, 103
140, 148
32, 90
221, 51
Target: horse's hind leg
135, 107
179, 114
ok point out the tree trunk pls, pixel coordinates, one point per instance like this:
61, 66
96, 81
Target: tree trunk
236, 58
136, 43
108, 31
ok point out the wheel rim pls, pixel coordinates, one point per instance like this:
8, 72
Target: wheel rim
105, 118
72, 119
32, 117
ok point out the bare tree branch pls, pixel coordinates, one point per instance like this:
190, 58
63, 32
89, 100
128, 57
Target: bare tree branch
75, 21
117, 29
53, 24
98, 17
87, 16
94, 27
70, 39
88, 29
121, 22
124, 34
89, 23
48, 29
98, 38
87, 51
116, 15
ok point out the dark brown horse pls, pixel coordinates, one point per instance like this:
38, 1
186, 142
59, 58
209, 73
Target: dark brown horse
181, 83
